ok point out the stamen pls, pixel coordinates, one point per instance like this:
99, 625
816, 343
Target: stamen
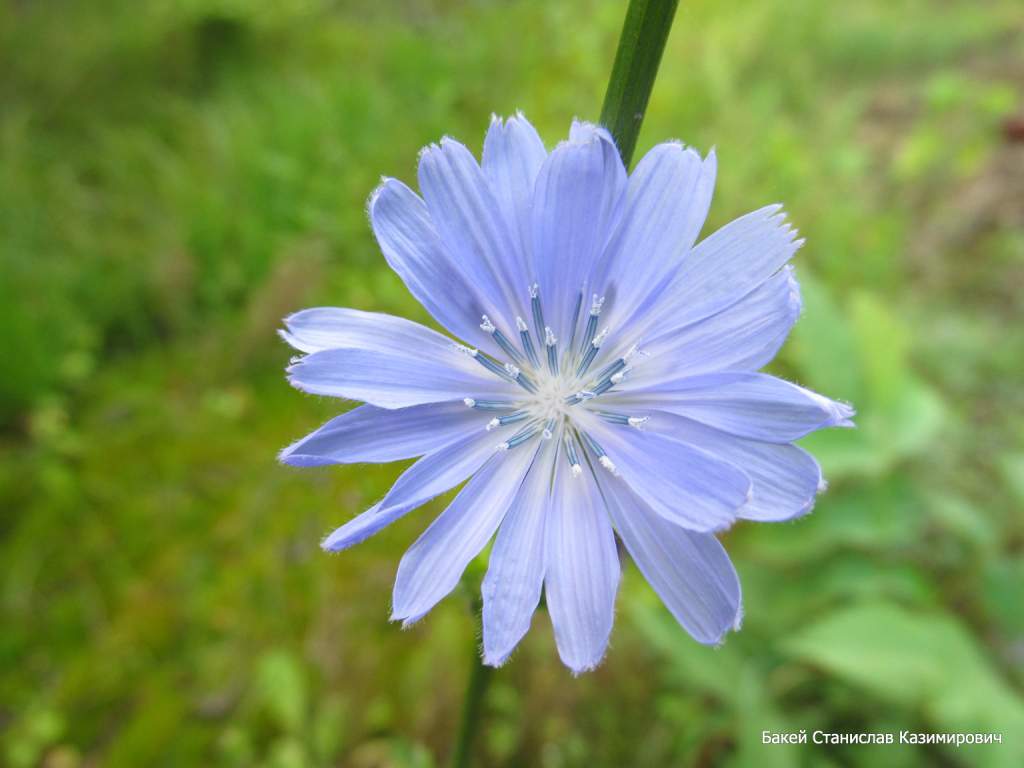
538, 314
622, 418
592, 349
500, 421
500, 338
519, 437
520, 378
618, 377
574, 459
611, 370
603, 387
549, 428
488, 405
602, 457
575, 319
491, 365
596, 303
550, 342
527, 341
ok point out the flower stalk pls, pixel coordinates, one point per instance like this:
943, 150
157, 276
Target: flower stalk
636, 65
473, 702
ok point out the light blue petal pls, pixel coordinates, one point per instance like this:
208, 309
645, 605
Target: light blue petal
431, 476
582, 130
744, 336
734, 261
468, 218
665, 206
371, 434
752, 405
576, 205
512, 157
786, 479
690, 571
515, 575
681, 482
722, 269
582, 573
432, 566
385, 361
413, 249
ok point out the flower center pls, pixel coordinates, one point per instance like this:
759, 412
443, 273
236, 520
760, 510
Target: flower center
555, 382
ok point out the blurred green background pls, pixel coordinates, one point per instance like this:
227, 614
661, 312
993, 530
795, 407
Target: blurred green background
177, 176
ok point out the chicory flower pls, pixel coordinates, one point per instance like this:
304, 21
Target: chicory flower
605, 381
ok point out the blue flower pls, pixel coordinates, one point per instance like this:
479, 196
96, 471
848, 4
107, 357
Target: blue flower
606, 381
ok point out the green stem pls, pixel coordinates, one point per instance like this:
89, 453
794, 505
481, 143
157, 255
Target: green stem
636, 65
472, 705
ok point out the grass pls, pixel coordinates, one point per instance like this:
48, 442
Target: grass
177, 177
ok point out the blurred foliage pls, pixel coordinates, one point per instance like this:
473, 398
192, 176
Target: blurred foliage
175, 177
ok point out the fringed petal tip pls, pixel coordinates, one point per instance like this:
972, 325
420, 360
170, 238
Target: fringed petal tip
583, 132
495, 660
333, 542
842, 414
579, 669
723, 636
408, 622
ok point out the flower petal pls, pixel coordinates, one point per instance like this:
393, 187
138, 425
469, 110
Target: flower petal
371, 434
753, 405
432, 566
734, 260
467, 216
413, 249
665, 205
431, 476
384, 360
744, 336
515, 574
576, 205
690, 571
786, 479
582, 574
512, 157
680, 482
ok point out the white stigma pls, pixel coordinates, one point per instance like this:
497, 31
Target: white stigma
487, 326
534, 291
607, 464
599, 339
549, 336
596, 305
577, 470
521, 325
511, 370
469, 401
465, 350
638, 421
493, 424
